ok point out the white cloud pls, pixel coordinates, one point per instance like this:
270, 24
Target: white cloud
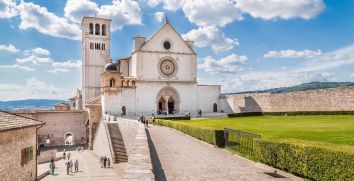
260, 80
8, 8
122, 12
58, 70
39, 18
352, 75
222, 12
75, 10
40, 51
68, 64
285, 9
33, 88
316, 69
229, 64
9, 48
211, 36
9, 87
171, 5
34, 60
211, 12
16, 66
159, 16
293, 54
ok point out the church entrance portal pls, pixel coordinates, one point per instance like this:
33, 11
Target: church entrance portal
167, 101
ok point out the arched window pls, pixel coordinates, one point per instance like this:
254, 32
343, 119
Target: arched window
99, 46
91, 28
124, 111
103, 30
215, 107
112, 83
97, 29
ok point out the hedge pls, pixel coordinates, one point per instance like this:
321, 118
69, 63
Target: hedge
307, 160
215, 137
175, 118
296, 113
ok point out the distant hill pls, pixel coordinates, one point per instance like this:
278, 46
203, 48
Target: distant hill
29, 104
304, 87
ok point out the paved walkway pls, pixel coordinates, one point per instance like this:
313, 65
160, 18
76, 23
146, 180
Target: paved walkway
89, 169
176, 156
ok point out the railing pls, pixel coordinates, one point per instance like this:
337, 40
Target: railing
240, 141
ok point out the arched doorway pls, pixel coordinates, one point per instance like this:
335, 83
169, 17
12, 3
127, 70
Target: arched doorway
68, 139
161, 106
167, 101
124, 111
215, 107
171, 105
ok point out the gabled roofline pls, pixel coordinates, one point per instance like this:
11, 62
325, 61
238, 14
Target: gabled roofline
167, 22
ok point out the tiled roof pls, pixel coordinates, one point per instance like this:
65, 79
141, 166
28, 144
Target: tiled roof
12, 121
95, 101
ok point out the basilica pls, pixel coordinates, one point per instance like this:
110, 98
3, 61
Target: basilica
158, 77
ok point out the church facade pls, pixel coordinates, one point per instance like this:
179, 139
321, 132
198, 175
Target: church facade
158, 77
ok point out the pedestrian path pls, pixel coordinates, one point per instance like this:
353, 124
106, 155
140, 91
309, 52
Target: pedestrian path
177, 156
89, 169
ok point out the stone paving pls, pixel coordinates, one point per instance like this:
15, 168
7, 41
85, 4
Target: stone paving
89, 169
177, 156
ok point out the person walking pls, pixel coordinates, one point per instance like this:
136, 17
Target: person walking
51, 167
108, 163
153, 119
69, 155
101, 161
147, 122
76, 165
67, 167
104, 161
71, 166
64, 155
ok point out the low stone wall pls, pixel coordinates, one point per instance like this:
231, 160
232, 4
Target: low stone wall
334, 99
45, 156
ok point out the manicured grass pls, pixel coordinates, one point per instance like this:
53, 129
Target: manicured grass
335, 129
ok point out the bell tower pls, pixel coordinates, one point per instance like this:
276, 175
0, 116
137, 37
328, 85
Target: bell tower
96, 54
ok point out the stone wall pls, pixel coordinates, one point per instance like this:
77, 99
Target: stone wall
333, 99
58, 124
11, 144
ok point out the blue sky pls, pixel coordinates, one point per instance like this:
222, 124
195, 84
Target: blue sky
241, 44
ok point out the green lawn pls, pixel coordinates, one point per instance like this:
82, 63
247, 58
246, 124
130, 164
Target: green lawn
336, 129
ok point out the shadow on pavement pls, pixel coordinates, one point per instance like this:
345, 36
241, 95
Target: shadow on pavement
156, 164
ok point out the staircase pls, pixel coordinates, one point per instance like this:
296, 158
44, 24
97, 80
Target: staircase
120, 154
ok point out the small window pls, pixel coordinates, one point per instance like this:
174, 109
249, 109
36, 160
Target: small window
97, 29
91, 28
112, 83
26, 155
91, 46
167, 45
103, 46
103, 30
99, 46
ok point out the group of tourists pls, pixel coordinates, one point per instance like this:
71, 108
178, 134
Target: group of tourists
145, 120
105, 162
70, 164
